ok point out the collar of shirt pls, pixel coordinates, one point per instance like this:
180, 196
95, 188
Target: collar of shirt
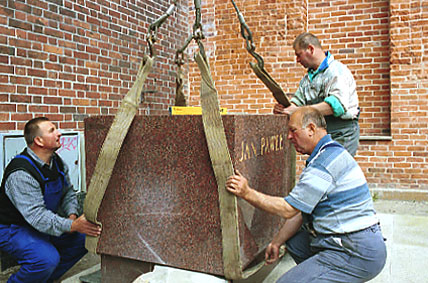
326, 139
324, 65
40, 162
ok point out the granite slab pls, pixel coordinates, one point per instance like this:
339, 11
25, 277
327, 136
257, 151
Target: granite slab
161, 205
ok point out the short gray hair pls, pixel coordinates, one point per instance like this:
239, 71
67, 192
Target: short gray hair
303, 40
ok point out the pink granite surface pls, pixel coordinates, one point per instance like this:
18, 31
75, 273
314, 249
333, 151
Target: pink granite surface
161, 205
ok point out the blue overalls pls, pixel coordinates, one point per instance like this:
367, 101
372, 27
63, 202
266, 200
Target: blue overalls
43, 258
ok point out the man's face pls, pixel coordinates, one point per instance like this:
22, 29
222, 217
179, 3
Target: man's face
49, 135
304, 57
298, 136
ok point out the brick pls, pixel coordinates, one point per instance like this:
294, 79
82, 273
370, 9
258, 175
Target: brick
37, 55
20, 24
67, 93
68, 12
53, 49
37, 73
7, 69
7, 50
20, 98
37, 90
7, 126
7, 107
21, 117
22, 108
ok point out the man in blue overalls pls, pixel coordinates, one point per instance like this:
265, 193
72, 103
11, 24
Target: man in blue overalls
39, 225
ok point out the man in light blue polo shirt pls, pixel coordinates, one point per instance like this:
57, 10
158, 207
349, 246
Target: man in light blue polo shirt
328, 86
331, 231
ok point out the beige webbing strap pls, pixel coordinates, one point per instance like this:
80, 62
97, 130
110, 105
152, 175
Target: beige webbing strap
110, 149
223, 168
271, 84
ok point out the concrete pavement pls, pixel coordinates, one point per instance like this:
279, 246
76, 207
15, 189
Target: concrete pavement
404, 224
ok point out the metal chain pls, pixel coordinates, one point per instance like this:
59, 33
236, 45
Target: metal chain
247, 35
196, 35
152, 34
179, 57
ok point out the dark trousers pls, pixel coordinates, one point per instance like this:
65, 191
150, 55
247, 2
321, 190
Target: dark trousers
43, 258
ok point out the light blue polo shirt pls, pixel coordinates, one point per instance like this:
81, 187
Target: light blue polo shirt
332, 189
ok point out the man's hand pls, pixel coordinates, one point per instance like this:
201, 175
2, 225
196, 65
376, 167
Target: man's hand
237, 185
272, 253
280, 109
72, 216
84, 226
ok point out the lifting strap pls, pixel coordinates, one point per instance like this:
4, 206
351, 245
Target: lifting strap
219, 155
110, 149
223, 168
258, 68
271, 84
117, 133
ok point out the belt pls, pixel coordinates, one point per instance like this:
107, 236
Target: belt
349, 233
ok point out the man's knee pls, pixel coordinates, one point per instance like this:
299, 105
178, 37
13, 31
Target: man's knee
36, 267
45, 262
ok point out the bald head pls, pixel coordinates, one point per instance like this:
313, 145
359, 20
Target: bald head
306, 128
311, 115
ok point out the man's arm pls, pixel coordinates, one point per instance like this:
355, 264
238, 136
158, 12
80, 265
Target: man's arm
323, 107
238, 185
288, 230
25, 194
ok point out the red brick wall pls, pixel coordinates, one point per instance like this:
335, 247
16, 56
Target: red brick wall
384, 44
402, 163
239, 89
357, 34
70, 59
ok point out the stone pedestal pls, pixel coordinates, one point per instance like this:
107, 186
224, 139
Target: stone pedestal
161, 205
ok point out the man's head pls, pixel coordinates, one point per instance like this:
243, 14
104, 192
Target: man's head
42, 133
308, 50
306, 128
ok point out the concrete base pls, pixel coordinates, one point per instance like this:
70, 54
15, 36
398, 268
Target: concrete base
164, 274
117, 269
